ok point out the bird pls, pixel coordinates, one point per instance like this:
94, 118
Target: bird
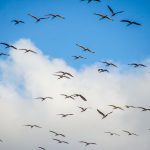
102, 70
135, 65
59, 141
17, 21
92, 0
116, 107
32, 126
82, 108
44, 98
111, 133
41, 148
144, 109
79, 57
8, 45
68, 96
129, 133
3, 54
129, 106
103, 16
112, 11
55, 16
38, 19
85, 48
130, 22
61, 76
87, 143
104, 115
109, 63
57, 134
28, 50
65, 115
81, 96
65, 73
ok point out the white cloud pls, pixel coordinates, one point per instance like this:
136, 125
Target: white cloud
26, 76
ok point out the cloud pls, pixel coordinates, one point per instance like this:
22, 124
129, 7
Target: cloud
27, 76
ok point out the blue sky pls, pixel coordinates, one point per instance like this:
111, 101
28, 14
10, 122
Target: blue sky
57, 38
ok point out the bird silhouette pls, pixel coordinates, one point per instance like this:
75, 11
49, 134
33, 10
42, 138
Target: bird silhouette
28, 50
102, 16
17, 21
68, 96
103, 115
102, 70
112, 133
3, 54
108, 63
59, 141
135, 65
81, 96
38, 19
44, 98
129, 106
88, 143
41, 148
8, 45
129, 133
61, 76
65, 73
65, 115
144, 109
112, 11
92, 0
82, 109
32, 126
85, 48
79, 57
55, 16
57, 134
130, 22
116, 107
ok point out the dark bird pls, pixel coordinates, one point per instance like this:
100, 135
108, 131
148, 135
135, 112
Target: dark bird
61, 76
55, 16
129, 133
59, 141
65, 73
92, 0
81, 96
42, 148
116, 107
135, 65
79, 57
57, 134
103, 16
130, 22
44, 98
104, 115
32, 126
3, 54
144, 109
83, 109
112, 11
8, 45
108, 63
68, 96
65, 115
28, 50
85, 48
17, 21
102, 70
37, 18
112, 133
87, 143
129, 106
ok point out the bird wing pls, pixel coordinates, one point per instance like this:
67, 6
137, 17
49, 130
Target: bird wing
128, 21
33, 16
83, 97
111, 10
136, 23
101, 112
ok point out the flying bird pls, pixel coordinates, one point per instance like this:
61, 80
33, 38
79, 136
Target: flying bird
116, 107
28, 50
3, 54
85, 48
79, 57
102, 16
112, 133
61, 76
130, 22
8, 45
81, 96
65, 115
129, 133
68, 96
42, 148
102, 70
83, 109
129, 106
17, 21
104, 115
59, 141
38, 18
32, 126
92, 0
55, 16
112, 11
87, 143
109, 63
144, 109
57, 134
65, 73
44, 98
135, 65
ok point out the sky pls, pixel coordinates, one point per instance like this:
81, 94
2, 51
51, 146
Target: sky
26, 76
